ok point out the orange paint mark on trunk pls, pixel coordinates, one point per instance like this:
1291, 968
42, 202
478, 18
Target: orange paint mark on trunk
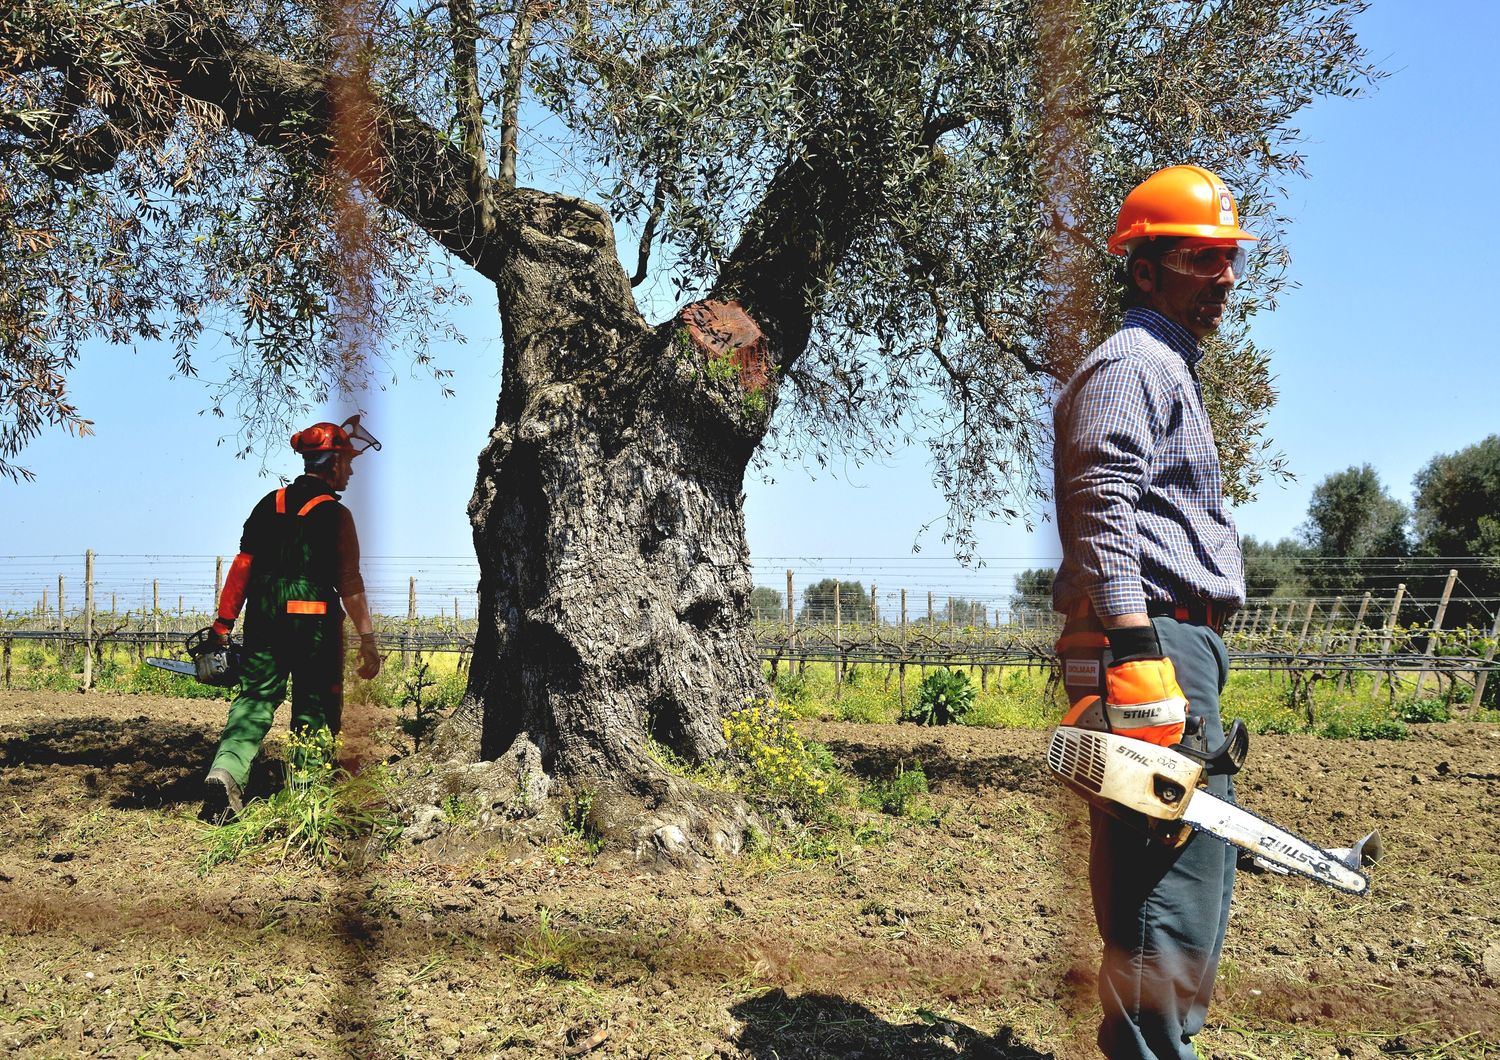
724, 329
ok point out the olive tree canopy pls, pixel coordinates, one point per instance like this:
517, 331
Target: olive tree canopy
882, 221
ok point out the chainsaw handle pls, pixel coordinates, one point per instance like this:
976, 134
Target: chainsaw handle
1228, 758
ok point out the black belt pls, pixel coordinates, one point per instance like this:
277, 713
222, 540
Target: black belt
1199, 613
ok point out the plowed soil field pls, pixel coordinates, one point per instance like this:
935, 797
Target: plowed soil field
969, 936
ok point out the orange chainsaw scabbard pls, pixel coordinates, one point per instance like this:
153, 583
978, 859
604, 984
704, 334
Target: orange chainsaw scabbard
1077, 709
233, 596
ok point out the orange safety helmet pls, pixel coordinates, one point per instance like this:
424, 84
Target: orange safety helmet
1177, 201
327, 437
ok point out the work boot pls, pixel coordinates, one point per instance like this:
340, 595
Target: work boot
222, 801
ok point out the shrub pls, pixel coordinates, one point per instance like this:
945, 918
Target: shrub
943, 698
1425, 709
790, 686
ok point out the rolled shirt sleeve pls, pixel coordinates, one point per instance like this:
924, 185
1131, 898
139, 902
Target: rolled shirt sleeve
349, 580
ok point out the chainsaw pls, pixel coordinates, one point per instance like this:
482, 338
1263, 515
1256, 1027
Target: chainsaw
212, 662
1157, 789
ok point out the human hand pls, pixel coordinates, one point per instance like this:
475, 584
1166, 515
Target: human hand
369, 657
1142, 697
218, 633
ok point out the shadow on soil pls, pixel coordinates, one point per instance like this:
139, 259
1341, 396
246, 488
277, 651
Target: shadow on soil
779, 1027
136, 763
1007, 772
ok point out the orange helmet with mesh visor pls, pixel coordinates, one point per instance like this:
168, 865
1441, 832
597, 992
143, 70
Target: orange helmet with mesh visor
1177, 201
348, 437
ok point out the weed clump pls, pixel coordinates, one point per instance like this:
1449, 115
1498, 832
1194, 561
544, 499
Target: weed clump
1425, 710
318, 814
903, 795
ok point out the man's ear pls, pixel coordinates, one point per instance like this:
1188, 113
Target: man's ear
1143, 275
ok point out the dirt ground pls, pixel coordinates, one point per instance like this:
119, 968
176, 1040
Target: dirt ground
969, 937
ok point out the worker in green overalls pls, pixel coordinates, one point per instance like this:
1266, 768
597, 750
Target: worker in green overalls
298, 572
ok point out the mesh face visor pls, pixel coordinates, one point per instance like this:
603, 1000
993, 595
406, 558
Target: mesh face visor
360, 440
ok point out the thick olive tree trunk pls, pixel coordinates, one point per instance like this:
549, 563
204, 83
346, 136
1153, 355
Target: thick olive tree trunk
614, 579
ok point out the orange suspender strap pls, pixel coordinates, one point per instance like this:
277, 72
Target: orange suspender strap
310, 505
281, 501
306, 607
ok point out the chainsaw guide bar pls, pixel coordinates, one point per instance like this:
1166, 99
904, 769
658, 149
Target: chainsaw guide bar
1156, 788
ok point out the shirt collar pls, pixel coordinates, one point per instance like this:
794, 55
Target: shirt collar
1168, 331
316, 482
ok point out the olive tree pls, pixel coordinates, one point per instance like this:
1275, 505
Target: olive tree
880, 221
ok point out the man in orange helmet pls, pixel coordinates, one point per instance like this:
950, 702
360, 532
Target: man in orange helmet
298, 568
1151, 568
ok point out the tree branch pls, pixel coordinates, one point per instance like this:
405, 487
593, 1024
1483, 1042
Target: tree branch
470, 110
286, 106
648, 233
994, 331
517, 50
793, 240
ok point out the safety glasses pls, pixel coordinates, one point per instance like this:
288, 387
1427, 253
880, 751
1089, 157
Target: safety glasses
1206, 262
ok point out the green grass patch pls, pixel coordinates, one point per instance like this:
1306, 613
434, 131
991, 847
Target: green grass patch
1004, 697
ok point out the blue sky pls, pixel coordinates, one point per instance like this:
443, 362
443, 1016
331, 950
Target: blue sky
1385, 354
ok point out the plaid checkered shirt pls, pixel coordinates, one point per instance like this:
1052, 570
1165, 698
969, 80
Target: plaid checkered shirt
1140, 497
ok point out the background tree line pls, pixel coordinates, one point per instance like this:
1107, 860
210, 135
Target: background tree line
1356, 537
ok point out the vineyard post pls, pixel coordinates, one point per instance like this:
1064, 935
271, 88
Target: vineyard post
984, 670
88, 619
1255, 625
838, 645
1354, 636
218, 583
874, 615
1306, 623
6, 650
411, 621
1473, 703
42, 614
1386, 639
62, 623
156, 614
902, 670
1333, 617
931, 630
181, 608
791, 622
1437, 628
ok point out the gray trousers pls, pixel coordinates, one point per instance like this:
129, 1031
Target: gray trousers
1162, 913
